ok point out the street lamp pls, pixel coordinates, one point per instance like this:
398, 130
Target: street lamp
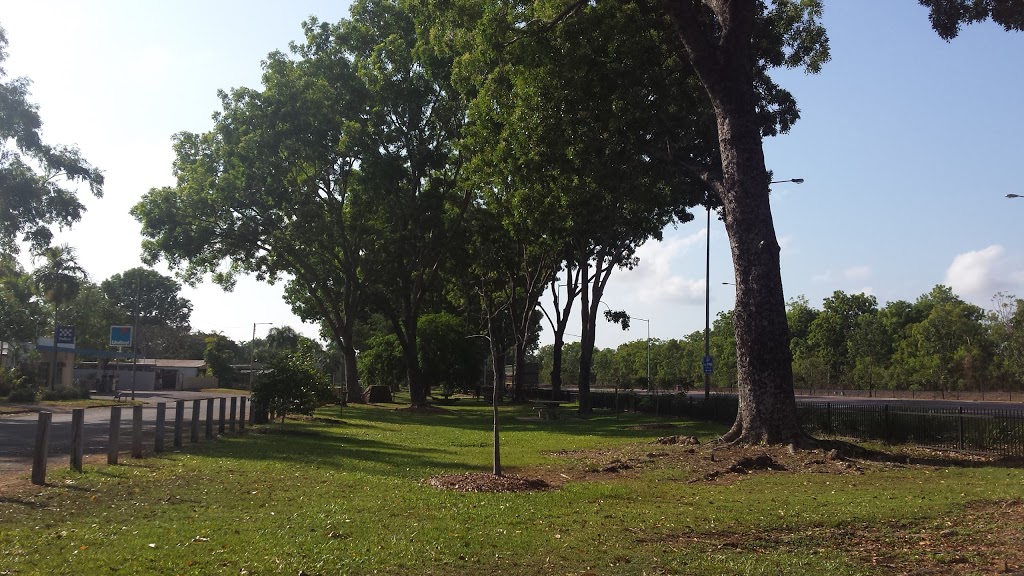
707, 363
252, 350
648, 348
1014, 196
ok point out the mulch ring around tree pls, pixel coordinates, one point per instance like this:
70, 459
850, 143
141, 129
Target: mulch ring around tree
483, 482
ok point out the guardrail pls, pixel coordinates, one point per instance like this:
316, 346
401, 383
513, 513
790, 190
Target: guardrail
235, 420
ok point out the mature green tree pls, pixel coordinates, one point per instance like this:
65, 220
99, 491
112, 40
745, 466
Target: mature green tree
37, 180
830, 333
563, 124
1006, 329
20, 310
59, 279
269, 190
220, 353
732, 45
449, 358
155, 298
92, 314
409, 170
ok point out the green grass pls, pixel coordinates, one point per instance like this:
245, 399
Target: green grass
346, 496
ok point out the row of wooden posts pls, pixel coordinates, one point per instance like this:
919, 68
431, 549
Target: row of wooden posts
236, 420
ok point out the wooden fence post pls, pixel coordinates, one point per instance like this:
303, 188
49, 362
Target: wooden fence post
115, 435
223, 410
161, 415
209, 418
136, 431
179, 420
77, 438
234, 407
195, 421
241, 413
42, 448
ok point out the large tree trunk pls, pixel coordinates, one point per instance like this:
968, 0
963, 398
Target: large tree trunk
556, 367
722, 55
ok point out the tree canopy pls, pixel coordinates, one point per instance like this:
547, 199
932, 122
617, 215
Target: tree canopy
37, 180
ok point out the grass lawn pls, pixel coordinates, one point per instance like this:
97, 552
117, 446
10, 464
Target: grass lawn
347, 494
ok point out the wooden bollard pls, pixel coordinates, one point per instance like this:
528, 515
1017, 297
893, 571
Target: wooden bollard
42, 448
77, 438
233, 412
136, 431
113, 442
209, 418
241, 413
179, 420
223, 411
161, 415
195, 421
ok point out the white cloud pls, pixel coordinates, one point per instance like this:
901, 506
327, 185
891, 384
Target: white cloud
977, 275
857, 273
653, 280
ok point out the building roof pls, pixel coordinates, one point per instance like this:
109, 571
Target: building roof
172, 363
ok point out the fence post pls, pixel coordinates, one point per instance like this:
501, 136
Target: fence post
885, 424
77, 438
234, 412
179, 419
195, 420
960, 425
209, 418
115, 435
161, 416
136, 431
42, 447
241, 413
223, 412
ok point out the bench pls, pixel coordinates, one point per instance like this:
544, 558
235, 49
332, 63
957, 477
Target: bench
547, 409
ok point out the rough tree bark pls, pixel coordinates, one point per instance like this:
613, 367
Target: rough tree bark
724, 61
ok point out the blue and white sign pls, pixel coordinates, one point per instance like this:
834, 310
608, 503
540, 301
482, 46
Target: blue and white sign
120, 335
65, 335
709, 364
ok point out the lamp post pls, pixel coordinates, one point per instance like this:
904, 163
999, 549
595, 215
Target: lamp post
1014, 196
648, 348
708, 364
252, 351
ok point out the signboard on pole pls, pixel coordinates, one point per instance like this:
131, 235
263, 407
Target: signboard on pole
65, 335
709, 364
120, 335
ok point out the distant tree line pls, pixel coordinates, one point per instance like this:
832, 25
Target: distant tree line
936, 343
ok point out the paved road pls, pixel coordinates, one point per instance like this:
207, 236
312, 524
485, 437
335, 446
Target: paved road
18, 431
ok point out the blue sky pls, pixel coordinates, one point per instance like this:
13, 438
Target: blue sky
908, 146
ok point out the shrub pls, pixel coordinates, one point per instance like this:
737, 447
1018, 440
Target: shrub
23, 393
62, 393
293, 384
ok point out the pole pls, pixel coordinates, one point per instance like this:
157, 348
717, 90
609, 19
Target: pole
707, 308
252, 354
135, 335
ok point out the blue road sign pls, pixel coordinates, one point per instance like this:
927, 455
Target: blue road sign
120, 335
65, 335
709, 364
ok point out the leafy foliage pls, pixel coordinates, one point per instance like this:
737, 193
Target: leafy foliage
292, 383
37, 180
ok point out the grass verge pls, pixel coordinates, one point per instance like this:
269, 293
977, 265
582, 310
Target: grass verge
347, 493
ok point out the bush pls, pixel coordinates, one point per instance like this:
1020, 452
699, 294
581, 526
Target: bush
9, 380
293, 384
65, 393
23, 393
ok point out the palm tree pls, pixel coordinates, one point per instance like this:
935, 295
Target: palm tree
59, 280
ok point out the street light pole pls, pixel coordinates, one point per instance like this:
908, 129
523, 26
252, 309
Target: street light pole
252, 351
707, 364
648, 348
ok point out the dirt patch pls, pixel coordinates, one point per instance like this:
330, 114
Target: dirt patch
481, 482
980, 538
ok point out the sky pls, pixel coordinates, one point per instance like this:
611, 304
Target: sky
907, 144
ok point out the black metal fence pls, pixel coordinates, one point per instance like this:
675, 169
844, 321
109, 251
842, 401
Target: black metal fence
975, 429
